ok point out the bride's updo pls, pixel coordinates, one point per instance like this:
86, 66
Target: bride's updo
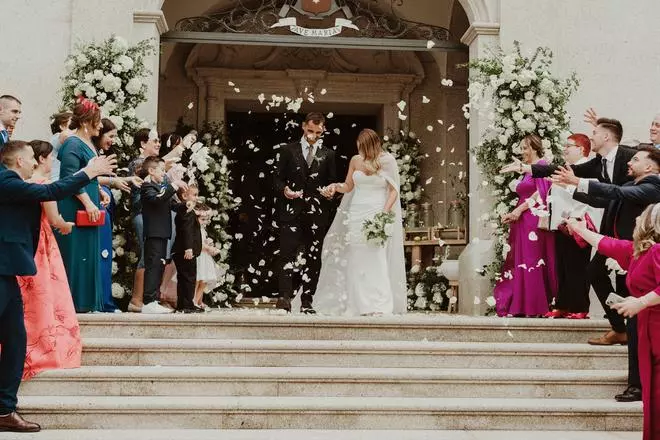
370, 148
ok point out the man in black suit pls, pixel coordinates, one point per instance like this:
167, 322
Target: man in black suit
623, 205
156, 195
10, 113
187, 247
20, 211
304, 171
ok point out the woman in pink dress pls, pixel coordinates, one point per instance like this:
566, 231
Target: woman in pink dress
641, 258
528, 281
53, 334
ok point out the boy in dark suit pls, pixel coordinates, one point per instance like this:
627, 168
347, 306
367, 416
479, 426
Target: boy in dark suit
186, 249
20, 212
156, 195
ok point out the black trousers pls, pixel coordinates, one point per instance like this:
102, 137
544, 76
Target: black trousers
155, 252
13, 340
303, 237
598, 275
599, 278
186, 280
571, 264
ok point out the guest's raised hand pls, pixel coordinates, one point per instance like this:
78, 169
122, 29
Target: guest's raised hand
101, 166
136, 181
630, 307
120, 183
180, 184
515, 166
565, 176
590, 116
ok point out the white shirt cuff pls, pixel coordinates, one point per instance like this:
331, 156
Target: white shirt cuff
583, 186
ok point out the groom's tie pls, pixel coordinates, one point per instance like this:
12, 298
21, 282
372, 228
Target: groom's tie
310, 155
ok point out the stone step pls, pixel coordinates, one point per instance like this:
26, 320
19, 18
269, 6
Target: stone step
366, 354
325, 381
264, 324
304, 434
163, 412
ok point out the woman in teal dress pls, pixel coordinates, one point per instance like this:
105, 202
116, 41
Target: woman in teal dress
81, 249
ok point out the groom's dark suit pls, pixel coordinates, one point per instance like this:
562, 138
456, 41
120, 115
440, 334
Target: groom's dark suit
304, 221
20, 212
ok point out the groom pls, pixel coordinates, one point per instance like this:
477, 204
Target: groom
304, 170
19, 232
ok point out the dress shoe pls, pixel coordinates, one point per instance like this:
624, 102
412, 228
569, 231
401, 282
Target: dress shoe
283, 304
631, 394
191, 310
307, 310
15, 423
610, 338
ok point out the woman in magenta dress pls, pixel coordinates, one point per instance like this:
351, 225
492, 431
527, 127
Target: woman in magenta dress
53, 334
641, 258
528, 282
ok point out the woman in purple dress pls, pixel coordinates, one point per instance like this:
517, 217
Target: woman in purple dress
528, 282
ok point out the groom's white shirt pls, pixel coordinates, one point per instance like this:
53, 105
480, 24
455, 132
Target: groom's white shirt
304, 143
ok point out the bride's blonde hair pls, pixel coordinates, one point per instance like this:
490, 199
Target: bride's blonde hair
647, 230
370, 148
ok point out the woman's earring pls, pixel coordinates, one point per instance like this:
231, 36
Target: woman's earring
86, 131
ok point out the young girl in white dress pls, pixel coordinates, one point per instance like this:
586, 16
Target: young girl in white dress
207, 274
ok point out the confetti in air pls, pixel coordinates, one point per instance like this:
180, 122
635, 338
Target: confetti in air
430, 44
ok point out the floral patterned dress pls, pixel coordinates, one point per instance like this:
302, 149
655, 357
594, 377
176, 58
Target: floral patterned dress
53, 334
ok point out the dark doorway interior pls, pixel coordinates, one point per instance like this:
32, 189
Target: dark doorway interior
256, 138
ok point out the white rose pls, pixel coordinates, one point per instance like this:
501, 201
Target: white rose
82, 60
529, 95
115, 268
528, 107
134, 86
546, 85
117, 68
420, 303
117, 120
98, 74
517, 116
504, 140
117, 291
119, 251
69, 65
389, 228
126, 62
501, 155
110, 83
546, 144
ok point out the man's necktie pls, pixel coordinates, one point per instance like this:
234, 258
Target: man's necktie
310, 155
5, 136
606, 175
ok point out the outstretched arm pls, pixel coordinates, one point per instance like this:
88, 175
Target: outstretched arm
348, 184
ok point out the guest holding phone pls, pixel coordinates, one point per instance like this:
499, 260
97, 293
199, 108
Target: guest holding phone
641, 258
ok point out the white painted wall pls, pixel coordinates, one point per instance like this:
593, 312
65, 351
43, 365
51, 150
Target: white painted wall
611, 44
37, 38
42, 33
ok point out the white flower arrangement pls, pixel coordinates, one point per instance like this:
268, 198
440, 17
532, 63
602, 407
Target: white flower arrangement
378, 229
524, 98
405, 147
112, 73
208, 165
427, 290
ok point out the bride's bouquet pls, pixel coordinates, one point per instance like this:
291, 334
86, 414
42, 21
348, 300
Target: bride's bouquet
379, 229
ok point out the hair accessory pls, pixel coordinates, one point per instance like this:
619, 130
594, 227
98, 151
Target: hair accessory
88, 104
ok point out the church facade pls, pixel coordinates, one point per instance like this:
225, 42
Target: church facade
220, 59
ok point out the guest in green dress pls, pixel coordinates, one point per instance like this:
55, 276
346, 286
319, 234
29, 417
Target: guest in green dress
81, 249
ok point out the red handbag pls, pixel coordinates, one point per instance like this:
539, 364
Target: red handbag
82, 219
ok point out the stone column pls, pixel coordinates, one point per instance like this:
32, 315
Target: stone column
482, 38
150, 24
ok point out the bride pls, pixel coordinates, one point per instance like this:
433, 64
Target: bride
358, 278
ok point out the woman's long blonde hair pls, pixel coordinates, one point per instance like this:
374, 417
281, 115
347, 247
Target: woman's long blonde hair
647, 230
370, 148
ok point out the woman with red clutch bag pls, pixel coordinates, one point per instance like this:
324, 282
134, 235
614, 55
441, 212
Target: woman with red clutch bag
80, 250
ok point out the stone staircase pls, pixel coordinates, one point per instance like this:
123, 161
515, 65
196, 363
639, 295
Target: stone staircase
249, 370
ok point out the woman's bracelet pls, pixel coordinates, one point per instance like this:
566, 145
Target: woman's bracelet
644, 301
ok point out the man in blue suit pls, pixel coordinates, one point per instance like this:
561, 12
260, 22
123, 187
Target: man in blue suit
20, 211
10, 113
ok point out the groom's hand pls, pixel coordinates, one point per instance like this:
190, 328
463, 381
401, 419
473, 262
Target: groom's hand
291, 194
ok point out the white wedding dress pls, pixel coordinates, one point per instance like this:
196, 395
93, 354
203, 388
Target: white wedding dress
358, 278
